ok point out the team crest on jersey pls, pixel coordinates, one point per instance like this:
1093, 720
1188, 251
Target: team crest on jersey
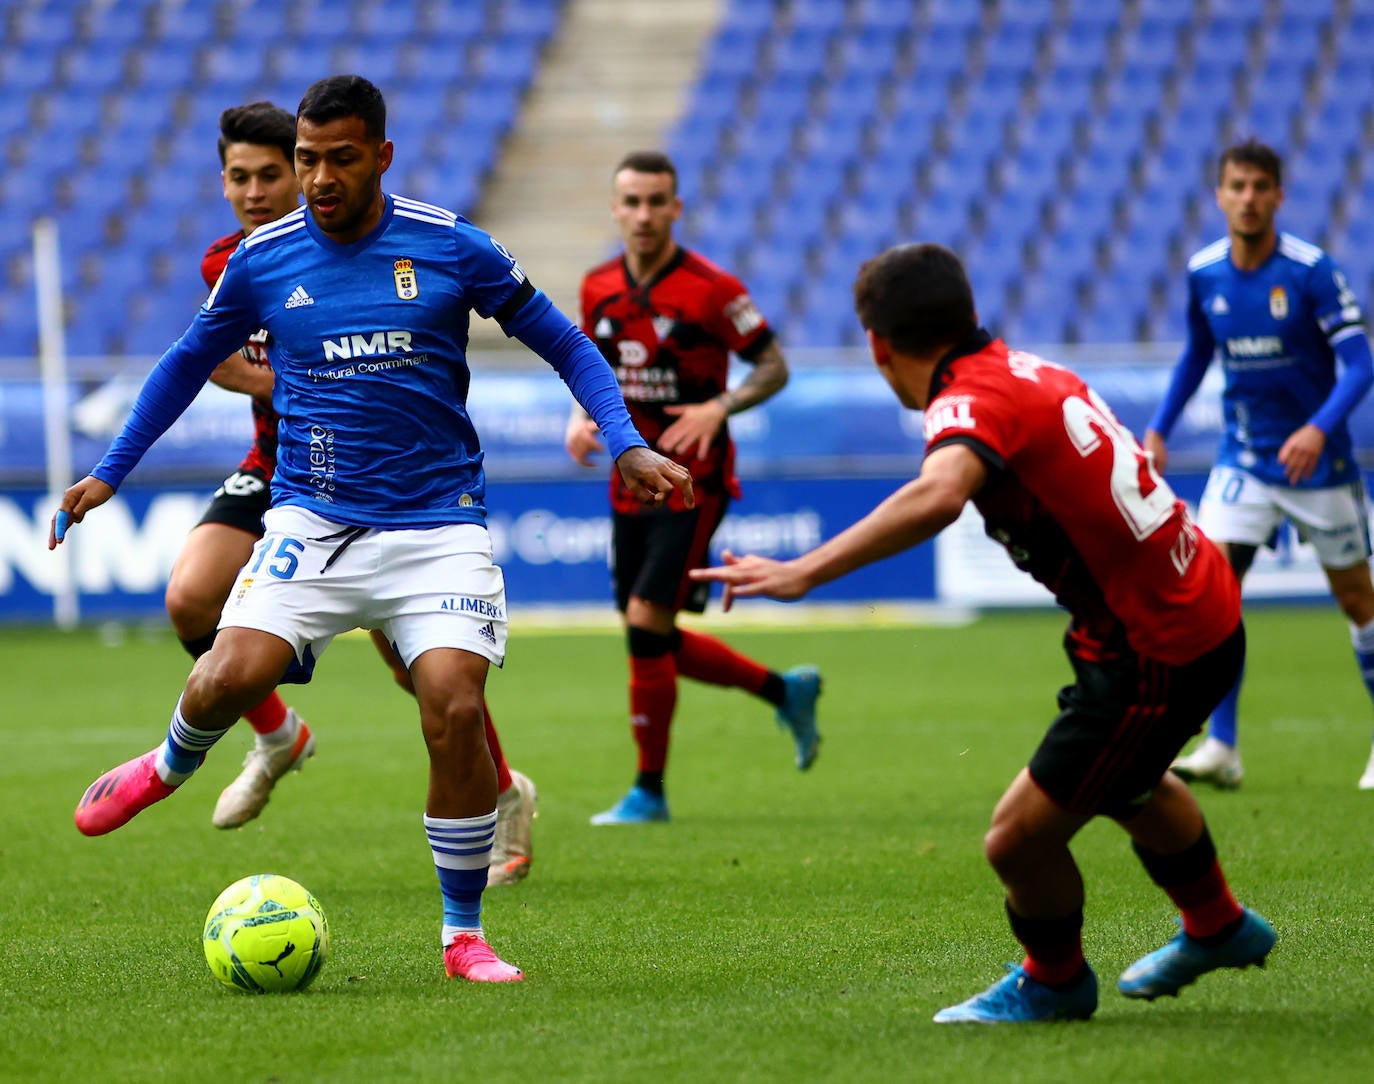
1219, 306
663, 326
1278, 303
407, 288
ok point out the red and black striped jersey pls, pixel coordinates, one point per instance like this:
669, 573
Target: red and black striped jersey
669, 340
1079, 506
262, 456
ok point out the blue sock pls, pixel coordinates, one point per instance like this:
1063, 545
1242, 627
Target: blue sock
1223, 724
1362, 639
184, 749
462, 853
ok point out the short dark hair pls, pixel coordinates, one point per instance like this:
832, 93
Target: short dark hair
648, 162
916, 297
260, 123
345, 96
1252, 153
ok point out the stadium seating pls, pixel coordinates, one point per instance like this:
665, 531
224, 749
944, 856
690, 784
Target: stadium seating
110, 112
1066, 147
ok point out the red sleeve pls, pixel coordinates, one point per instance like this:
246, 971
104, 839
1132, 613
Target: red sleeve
734, 318
976, 411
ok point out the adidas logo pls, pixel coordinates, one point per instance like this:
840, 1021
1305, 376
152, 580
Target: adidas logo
298, 298
488, 633
1219, 306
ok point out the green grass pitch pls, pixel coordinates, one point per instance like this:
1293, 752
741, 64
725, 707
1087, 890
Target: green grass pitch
784, 926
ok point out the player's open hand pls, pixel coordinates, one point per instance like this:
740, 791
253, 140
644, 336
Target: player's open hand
751, 576
582, 441
1301, 453
653, 477
76, 502
695, 428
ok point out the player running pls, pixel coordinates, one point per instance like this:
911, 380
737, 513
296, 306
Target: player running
1280, 315
1155, 636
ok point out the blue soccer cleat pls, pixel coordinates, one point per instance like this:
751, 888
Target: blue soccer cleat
1020, 999
798, 712
1179, 963
637, 807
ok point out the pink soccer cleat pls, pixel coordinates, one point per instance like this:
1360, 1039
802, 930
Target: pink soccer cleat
120, 795
468, 955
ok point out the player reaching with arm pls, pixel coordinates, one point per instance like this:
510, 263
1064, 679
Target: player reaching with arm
1155, 637
668, 320
378, 515
1296, 361
256, 149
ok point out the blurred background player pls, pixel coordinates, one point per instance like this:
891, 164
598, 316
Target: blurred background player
668, 320
1155, 635
256, 148
1296, 362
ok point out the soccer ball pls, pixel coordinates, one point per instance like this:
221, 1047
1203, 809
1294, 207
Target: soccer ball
266, 934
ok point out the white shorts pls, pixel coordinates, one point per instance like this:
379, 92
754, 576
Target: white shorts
310, 579
1237, 507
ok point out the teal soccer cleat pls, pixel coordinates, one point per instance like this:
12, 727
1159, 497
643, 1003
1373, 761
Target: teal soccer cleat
798, 712
1019, 999
637, 807
1179, 963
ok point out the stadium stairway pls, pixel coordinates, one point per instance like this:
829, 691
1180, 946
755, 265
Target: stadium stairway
613, 80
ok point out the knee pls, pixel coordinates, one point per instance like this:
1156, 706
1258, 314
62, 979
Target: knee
454, 724
220, 677
191, 614
1357, 603
1005, 847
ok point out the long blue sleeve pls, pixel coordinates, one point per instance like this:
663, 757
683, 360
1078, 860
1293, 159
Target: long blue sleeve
560, 342
1188, 373
169, 389
1354, 381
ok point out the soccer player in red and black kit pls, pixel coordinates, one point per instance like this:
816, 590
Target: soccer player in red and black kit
257, 151
1155, 635
668, 320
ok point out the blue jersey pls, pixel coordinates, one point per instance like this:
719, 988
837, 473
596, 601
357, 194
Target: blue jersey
368, 350
1277, 331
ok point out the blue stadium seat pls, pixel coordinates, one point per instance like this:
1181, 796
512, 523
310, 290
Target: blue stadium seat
1013, 46
942, 48
784, 98
40, 29
1151, 46
800, 52
381, 65
892, 17
92, 69
26, 70
871, 52
822, 15
165, 68
732, 54
185, 24
956, 13
759, 14
1025, 12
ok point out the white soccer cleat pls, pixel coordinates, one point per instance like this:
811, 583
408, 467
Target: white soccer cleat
1367, 780
512, 851
1212, 762
246, 796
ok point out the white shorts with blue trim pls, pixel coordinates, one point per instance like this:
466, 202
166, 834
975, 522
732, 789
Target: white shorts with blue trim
1237, 507
310, 579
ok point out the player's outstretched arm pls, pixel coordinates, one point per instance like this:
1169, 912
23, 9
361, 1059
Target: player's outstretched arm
652, 477
76, 502
921, 509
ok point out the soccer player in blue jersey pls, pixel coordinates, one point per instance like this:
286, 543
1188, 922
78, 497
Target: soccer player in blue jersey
1296, 360
377, 517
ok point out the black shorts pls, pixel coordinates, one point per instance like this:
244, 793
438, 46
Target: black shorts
1122, 723
651, 553
240, 502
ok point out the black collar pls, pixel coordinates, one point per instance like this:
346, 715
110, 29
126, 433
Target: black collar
975, 341
659, 275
